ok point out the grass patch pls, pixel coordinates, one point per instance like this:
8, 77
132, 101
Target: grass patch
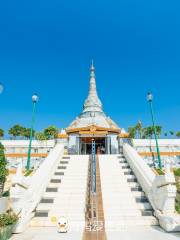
177, 172
159, 171
28, 172
177, 207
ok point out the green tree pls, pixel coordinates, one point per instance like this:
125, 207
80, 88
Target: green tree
51, 132
1, 133
171, 132
158, 131
147, 132
165, 134
132, 132
41, 136
16, 130
3, 169
139, 129
26, 133
178, 134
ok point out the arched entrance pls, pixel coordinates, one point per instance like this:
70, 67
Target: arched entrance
86, 145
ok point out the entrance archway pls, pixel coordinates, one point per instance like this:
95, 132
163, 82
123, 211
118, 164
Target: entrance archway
86, 145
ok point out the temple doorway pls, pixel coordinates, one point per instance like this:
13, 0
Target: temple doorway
86, 145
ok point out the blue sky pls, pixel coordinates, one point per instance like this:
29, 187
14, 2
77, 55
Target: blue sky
47, 46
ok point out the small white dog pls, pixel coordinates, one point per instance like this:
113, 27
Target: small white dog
62, 225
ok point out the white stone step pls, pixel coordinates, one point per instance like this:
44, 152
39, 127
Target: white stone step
62, 205
50, 194
130, 177
46, 222
144, 206
115, 206
124, 193
123, 212
138, 194
119, 201
124, 164
54, 185
42, 222
65, 193
133, 184
48, 206
69, 201
130, 221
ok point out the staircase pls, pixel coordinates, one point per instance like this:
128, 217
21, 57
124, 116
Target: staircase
124, 201
65, 194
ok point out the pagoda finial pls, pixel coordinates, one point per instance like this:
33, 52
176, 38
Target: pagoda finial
92, 102
92, 69
92, 64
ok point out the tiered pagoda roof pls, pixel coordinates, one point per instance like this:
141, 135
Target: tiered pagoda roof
92, 114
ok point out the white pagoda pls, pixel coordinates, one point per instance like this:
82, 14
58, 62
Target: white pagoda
93, 124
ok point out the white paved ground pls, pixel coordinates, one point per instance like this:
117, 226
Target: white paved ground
50, 233
46, 233
142, 233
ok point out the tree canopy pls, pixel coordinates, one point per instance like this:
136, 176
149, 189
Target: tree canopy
51, 132
178, 134
16, 130
1, 133
143, 133
20, 131
41, 136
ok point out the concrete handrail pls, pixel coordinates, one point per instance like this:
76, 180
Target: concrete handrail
38, 184
143, 172
160, 190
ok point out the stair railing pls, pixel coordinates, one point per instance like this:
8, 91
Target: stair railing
26, 205
160, 190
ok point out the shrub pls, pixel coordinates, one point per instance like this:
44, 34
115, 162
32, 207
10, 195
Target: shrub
7, 219
6, 194
28, 172
177, 172
159, 171
178, 207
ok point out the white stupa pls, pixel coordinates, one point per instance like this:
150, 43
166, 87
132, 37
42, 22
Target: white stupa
93, 110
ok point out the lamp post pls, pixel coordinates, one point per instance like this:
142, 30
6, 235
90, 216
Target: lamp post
35, 99
150, 99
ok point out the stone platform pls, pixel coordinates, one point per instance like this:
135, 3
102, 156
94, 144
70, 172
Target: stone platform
50, 233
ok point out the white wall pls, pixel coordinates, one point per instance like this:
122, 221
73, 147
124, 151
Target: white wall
25, 143
161, 142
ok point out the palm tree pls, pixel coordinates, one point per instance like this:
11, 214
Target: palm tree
132, 132
27, 132
148, 132
158, 130
139, 129
1, 133
16, 130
